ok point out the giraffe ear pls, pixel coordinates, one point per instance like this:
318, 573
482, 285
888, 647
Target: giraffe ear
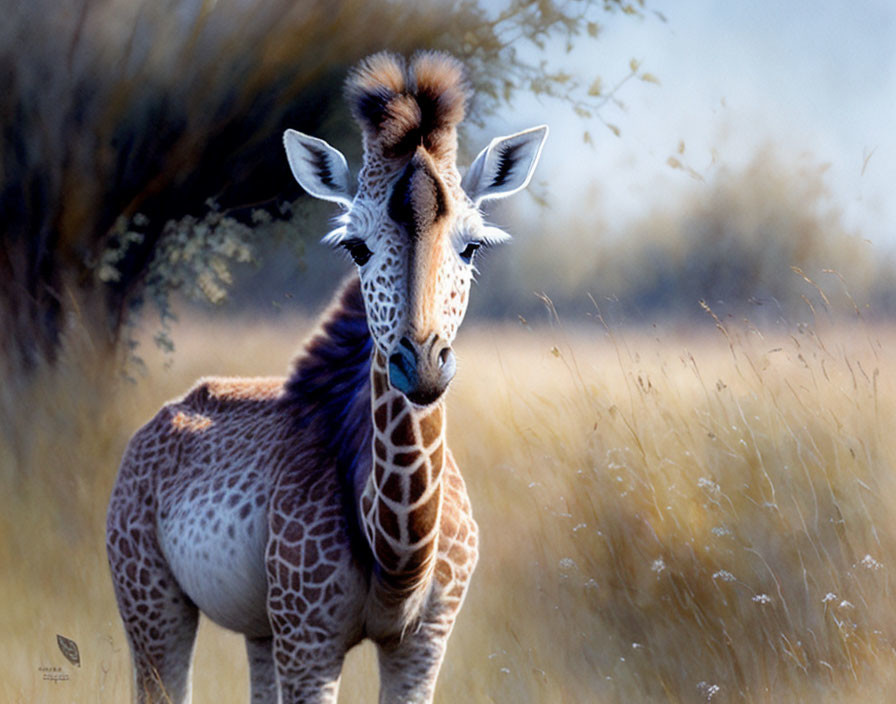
505, 166
319, 168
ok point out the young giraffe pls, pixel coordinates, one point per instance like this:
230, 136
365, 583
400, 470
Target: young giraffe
313, 512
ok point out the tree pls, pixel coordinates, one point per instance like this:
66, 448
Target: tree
141, 139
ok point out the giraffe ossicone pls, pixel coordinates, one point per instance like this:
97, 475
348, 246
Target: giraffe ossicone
313, 512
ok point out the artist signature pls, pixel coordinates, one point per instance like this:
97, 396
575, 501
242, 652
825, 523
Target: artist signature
53, 674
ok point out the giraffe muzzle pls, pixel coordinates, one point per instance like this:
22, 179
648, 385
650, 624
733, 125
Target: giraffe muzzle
422, 372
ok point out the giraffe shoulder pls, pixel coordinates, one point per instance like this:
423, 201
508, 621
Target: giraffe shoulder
210, 403
213, 390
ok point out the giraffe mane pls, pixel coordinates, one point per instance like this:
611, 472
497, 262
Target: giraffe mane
401, 106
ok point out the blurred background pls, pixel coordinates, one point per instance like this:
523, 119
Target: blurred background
699, 298
697, 152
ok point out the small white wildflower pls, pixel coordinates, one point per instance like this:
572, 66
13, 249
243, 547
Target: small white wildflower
635, 646
762, 599
724, 575
505, 670
708, 485
708, 690
830, 596
846, 604
567, 563
591, 584
719, 531
870, 563
579, 527
658, 565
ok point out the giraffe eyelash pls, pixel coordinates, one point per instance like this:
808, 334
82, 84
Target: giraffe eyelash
489, 236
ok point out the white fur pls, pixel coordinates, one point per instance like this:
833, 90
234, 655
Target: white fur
479, 181
302, 152
224, 576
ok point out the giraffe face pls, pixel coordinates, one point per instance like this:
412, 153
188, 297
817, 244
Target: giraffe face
414, 247
413, 229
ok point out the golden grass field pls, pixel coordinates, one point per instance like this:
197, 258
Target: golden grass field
666, 516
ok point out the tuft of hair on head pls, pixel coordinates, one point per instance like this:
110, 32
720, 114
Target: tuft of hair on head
401, 105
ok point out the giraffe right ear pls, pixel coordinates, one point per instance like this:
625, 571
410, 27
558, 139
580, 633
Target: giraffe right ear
505, 166
319, 168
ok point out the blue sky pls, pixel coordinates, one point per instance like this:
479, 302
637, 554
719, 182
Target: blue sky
816, 80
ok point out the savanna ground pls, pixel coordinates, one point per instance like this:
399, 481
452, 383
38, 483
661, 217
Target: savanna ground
686, 515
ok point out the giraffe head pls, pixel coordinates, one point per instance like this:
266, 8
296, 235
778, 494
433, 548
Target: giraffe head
413, 225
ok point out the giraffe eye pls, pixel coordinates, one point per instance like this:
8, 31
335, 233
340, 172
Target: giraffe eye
358, 250
469, 250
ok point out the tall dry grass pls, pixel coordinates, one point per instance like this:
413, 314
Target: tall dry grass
684, 516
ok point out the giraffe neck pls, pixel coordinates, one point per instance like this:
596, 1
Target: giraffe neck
401, 503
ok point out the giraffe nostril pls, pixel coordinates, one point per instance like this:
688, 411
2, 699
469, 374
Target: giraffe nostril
447, 364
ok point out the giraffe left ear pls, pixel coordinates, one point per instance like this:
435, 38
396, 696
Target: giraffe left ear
319, 168
505, 166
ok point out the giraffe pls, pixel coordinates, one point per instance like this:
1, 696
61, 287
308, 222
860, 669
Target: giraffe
311, 512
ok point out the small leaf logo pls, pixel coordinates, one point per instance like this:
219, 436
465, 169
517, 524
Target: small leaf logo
70, 649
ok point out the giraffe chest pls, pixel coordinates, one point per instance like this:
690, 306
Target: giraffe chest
213, 537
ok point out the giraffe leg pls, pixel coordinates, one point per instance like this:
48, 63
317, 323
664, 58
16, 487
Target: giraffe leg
162, 650
308, 675
262, 673
159, 619
409, 667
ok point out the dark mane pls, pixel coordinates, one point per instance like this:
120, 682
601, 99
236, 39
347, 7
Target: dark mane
328, 391
335, 362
